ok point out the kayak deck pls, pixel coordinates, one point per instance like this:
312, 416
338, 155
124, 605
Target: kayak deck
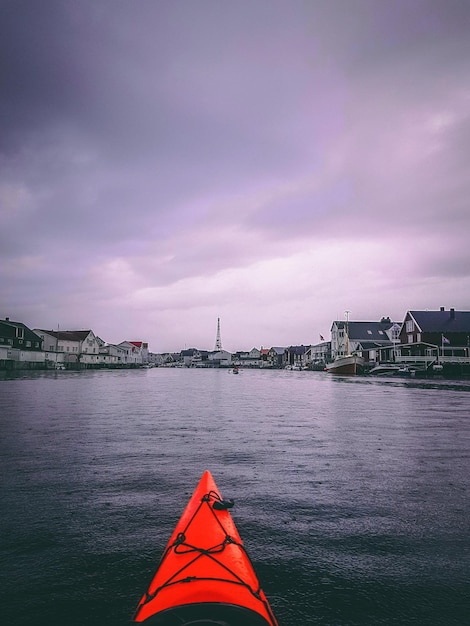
205, 574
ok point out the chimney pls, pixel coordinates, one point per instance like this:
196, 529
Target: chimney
442, 309
7, 319
452, 314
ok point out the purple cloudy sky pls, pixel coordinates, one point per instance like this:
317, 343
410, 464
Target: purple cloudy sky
272, 163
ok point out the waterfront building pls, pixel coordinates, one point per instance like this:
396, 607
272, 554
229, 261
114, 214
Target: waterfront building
220, 358
247, 359
435, 338
18, 343
276, 357
296, 357
70, 347
319, 354
110, 354
365, 339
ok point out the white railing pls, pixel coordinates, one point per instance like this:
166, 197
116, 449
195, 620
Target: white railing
429, 360
425, 360
454, 359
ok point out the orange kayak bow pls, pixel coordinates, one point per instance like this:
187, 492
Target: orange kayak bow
205, 575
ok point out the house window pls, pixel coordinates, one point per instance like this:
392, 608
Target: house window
20, 333
410, 338
418, 337
409, 326
28, 344
369, 332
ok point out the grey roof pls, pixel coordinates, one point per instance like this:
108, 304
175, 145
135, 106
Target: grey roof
7, 323
66, 335
297, 349
371, 345
442, 321
367, 331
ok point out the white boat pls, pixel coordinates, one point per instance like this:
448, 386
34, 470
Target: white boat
405, 371
384, 369
349, 363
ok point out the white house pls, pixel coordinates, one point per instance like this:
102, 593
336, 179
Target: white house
319, 354
363, 338
220, 357
70, 346
248, 359
131, 354
142, 349
112, 355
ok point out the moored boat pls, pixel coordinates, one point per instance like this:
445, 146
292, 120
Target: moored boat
205, 575
405, 371
345, 363
348, 364
385, 369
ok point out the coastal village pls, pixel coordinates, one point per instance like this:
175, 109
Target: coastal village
424, 343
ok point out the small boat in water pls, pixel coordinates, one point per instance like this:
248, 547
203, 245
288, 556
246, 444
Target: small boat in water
405, 371
385, 369
205, 576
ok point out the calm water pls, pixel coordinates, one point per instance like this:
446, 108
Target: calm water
352, 494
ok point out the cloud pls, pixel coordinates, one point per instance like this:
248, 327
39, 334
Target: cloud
274, 164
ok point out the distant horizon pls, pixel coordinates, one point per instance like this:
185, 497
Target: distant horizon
256, 346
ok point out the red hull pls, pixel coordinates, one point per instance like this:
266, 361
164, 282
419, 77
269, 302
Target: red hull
205, 573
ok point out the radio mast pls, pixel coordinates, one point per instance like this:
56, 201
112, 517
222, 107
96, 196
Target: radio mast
218, 340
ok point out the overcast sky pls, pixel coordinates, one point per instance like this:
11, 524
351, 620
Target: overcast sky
272, 163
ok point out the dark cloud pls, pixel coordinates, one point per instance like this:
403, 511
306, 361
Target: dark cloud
159, 142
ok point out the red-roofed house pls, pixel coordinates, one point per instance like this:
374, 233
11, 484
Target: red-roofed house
137, 352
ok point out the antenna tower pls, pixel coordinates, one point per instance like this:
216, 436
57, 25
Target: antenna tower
218, 340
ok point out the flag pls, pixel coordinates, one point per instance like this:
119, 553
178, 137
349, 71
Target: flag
445, 340
322, 338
